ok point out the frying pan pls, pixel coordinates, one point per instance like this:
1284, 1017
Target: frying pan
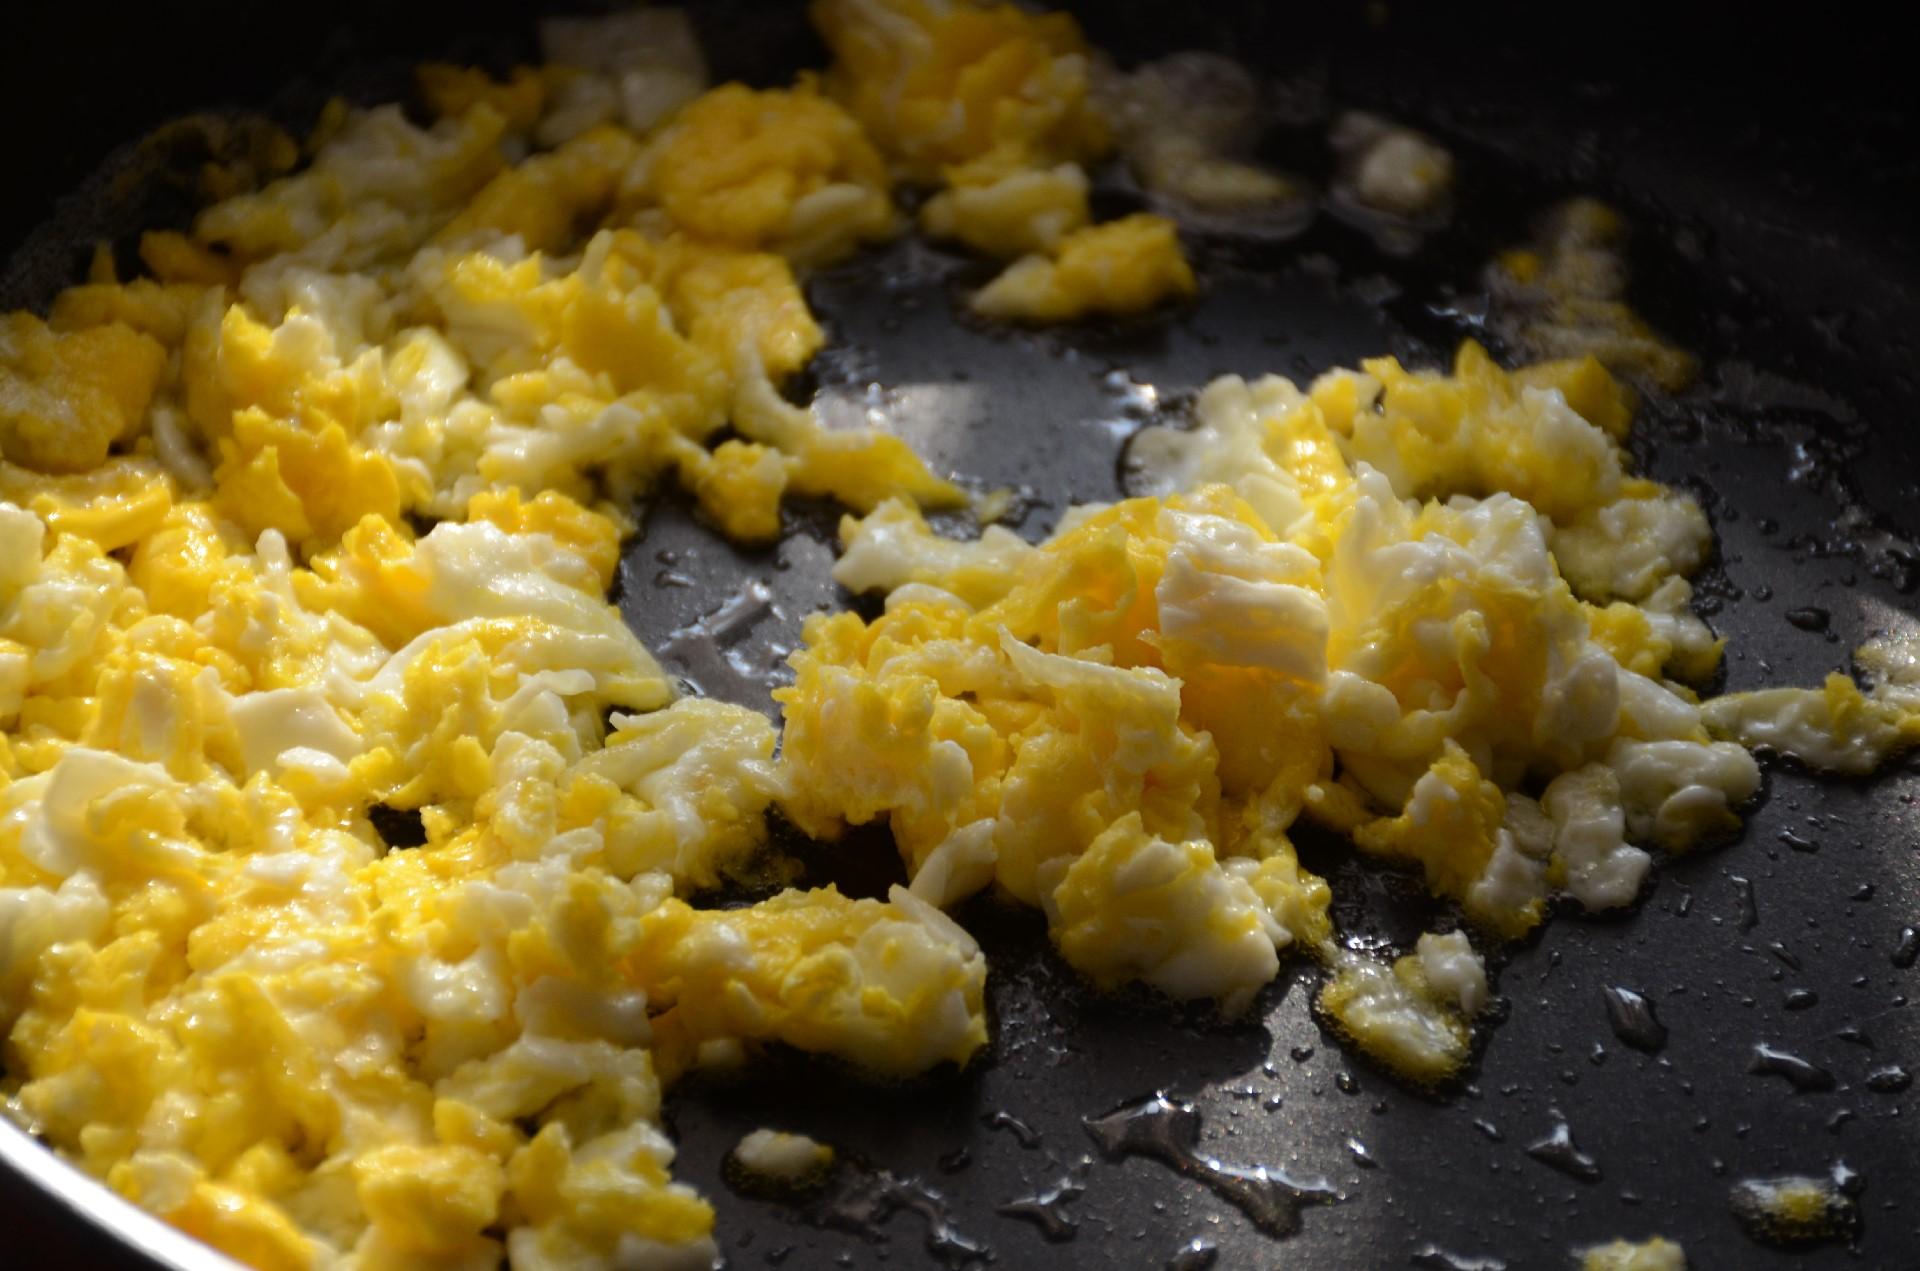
1769, 169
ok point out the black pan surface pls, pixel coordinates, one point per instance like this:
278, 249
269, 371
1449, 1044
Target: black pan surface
1770, 173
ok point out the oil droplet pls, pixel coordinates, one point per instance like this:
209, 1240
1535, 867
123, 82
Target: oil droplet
1787, 956
1024, 1134
1749, 903
867, 1200
1491, 1130
1432, 1255
1559, 1151
1633, 1020
1195, 1255
1347, 1082
1804, 1075
1796, 1209
1810, 618
1362, 1155
1889, 1080
1048, 1209
1797, 842
1801, 999
1168, 1132
1907, 949
701, 648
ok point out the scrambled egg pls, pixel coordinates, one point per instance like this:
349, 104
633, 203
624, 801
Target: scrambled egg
1416, 1015
785, 170
349, 840
1181, 122
308, 533
1337, 603
1566, 296
943, 86
1390, 168
232, 999
998, 106
776, 1158
1795, 1209
68, 396
1834, 728
1123, 266
1022, 213
1656, 1254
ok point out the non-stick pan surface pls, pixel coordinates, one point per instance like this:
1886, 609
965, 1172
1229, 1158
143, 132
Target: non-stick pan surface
1770, 177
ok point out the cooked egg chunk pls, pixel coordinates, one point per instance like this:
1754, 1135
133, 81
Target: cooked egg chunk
941, 85
1390, 168
1011, 214
1340, 602
782, 1159
1655, 1254
1565, 296
1835, 728
996, 105
786, 170
1124, 266
1182, 121
1414, 1016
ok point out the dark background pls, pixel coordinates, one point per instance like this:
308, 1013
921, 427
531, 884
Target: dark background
1769, 167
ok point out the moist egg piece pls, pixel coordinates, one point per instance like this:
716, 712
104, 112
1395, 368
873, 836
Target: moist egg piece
228, 637
1332, 602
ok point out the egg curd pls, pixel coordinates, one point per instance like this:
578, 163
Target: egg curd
310, 527
348, 837
775, 1158
1344, 603
999, 107
1656, 1254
